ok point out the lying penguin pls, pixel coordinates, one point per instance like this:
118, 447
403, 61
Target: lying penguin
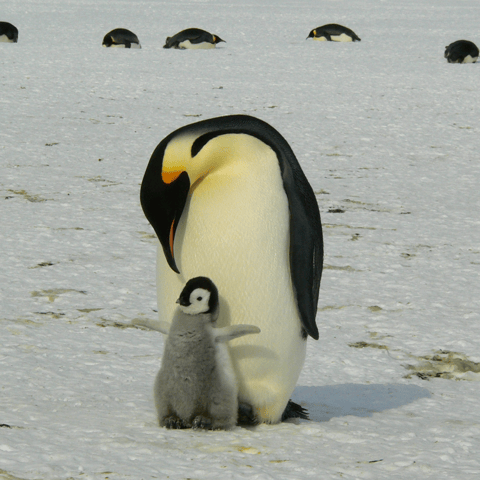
196, 386
121, 37
192, 38
8, 33
333, 33
461, 51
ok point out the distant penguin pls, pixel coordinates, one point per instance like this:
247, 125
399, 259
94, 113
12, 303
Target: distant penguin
461, 51
196, 385
333, 33
121, 37
228, 199
8, 33
192, 38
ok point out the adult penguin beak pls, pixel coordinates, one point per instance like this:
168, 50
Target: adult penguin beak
163, 197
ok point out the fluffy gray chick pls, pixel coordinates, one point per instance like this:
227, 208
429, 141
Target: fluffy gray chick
196, 385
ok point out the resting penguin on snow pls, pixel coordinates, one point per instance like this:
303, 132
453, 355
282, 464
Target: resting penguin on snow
196, 385
333, 33
8, 32
192, 38
121, 37
228, 199
461, 51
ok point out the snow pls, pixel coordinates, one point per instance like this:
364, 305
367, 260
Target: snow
387, 133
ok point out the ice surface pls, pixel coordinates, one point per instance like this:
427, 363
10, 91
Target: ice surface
387, 132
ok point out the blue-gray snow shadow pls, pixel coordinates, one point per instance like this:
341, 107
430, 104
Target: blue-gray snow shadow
324, 403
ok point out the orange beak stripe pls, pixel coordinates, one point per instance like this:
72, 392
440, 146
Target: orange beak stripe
169, 177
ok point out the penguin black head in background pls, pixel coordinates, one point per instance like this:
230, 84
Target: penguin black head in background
461, 51
333, 33
192, 39
200, 295
8, 33
121, 37
228, 199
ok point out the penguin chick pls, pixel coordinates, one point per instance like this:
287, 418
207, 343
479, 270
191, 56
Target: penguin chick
192, 39
196, 386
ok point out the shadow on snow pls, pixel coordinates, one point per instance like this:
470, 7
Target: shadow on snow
326, 402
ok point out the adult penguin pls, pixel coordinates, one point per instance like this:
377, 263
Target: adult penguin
228, 199
8, 32
192, 39
461, 51
334, 33
121, 37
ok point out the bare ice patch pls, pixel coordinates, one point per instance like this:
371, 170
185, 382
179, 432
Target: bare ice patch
445, 364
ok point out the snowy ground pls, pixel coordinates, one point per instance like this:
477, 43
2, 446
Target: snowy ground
387, 132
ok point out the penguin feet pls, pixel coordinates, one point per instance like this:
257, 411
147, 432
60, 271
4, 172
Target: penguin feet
202, 422
294, 410
174, 422
246, 415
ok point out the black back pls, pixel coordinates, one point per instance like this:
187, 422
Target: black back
457, 51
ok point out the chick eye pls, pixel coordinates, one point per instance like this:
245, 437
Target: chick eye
199, 298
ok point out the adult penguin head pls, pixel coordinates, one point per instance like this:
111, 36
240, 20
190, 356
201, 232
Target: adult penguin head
177, 164
217, 39
163, 196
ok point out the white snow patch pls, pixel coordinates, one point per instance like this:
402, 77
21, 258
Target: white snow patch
78, 124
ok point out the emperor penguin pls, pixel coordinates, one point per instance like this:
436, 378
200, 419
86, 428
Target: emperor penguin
121, 37
461, 51
193, 39
334, 33
196, 385
228, 199
8, 33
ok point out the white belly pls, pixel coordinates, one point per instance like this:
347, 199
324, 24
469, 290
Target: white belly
121, 45
470, 59
195, 46
335, 38
235, 230
4, 38
341, 38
